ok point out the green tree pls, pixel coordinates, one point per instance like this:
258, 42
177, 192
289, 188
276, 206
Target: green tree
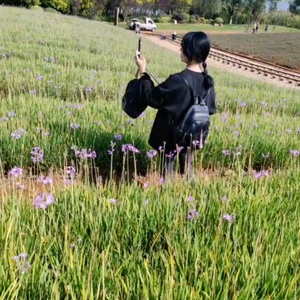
254, 8
273, 5
231, 6
63, 6
295, 7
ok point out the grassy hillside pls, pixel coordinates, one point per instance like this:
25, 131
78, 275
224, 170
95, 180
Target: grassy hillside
231, 235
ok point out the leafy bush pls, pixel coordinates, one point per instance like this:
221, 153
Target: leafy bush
181, 18
219, 21
204, 21
36, 7
162, 19
51, 10
193, 20
283, 19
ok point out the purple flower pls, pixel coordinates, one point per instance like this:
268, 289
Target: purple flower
294, 152
229, 218
266, 155
193, 214
40, 78
289, 130
17, 135
3, 119
129, 148
32, 92
37, 155
44, 180
20, 186
16, 172
118, 137
260, 174
74, 126
237, 133
161, 181
190, 198
43, 200
226, 152
84, 153
23, 265
143, 114
146, 202
224, 117
170, 155
12, 114
224, 198
151, 153
72, 245
242, 104
146, 185
113, 200
71, 171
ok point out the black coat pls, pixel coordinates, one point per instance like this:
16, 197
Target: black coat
172, 98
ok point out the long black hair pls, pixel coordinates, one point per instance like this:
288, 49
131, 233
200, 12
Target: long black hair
195, 47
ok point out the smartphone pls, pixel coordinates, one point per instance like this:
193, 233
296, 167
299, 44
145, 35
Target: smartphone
139, 46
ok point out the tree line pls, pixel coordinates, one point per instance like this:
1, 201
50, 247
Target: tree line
249, 10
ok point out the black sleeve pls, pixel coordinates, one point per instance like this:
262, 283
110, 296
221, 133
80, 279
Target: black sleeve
212, 102
162, 95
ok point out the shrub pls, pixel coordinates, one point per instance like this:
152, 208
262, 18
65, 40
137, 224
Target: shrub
51, 10
36, 7
219, 21
283, 19
162, 19
181, 18
193, 20
204, 21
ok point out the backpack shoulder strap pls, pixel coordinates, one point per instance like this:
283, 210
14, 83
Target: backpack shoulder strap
188, 85
196, 100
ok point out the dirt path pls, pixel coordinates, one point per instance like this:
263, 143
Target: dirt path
219, 65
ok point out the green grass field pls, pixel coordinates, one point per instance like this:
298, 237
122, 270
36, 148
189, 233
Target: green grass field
211, 29
234, 234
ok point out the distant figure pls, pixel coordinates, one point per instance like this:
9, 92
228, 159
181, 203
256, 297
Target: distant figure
175, 22
174, 36
257, 27
266, 28
254, 27
137, 28
247, 30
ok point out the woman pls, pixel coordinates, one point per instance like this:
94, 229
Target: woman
172, 98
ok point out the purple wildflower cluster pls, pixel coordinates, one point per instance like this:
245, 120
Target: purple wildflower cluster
45, 180
224, 198
37, 155
151, 153
18, 134
260, 174
294, 152
44, 200
71, 175
235, 152
193, 214
84, 153
130, 148
50, 59
22, 262
229, 218
16, 172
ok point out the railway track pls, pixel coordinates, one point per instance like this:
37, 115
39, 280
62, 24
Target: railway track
246, 63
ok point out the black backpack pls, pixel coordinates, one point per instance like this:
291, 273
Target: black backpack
192, 128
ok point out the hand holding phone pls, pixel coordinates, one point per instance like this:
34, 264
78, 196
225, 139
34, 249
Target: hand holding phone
139, 46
